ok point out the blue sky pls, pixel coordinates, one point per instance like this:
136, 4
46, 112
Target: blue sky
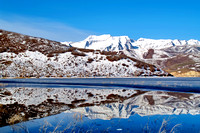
74, 20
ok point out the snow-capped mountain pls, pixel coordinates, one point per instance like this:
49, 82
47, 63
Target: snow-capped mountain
116, 43
161, 53
162, 43
180, 58
102, 55
26, 56
104, 42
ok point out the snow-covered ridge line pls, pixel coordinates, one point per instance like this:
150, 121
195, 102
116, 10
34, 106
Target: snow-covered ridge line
103, 42
115, 43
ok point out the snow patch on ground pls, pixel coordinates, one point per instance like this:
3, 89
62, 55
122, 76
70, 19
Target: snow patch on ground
36, 64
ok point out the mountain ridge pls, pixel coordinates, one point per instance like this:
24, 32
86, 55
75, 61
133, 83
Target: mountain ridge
26, 56
159, 52
151, 43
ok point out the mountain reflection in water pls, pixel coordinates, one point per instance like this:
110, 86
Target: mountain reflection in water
148, 111
145, 104
99, 105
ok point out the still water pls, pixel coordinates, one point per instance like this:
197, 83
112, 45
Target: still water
148, 105
154, 83
76, 122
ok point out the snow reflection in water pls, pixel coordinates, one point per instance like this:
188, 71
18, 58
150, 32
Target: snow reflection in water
117, 109
78, 122
178, 112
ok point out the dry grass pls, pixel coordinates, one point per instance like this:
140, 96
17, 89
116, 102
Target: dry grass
2, 84
77, 53
15, 119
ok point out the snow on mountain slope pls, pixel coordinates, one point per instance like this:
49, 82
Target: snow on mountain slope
104, 42
25, 56
116, 43
159, 52
161, 48
162, 43
35, 64
143, 43
139, 47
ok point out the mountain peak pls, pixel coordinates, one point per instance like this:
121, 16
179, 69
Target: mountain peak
141, 39
105, 42
193, 42
98, 38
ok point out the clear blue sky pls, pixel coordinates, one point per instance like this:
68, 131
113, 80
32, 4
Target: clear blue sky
74, 20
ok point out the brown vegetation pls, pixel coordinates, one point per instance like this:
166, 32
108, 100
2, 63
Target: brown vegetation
180, 95
149, 99
90, 60
178, 61
7, 93
5, 62
17, 43
86, 50
108, 53
149, 54
77, 53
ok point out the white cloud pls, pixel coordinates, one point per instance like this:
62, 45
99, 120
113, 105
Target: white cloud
43, 28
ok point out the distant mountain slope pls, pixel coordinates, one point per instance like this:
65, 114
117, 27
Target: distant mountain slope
179, 57
182, 59
25, 56
116, 43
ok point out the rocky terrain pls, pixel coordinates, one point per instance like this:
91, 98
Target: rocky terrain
178, 57
26, 56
